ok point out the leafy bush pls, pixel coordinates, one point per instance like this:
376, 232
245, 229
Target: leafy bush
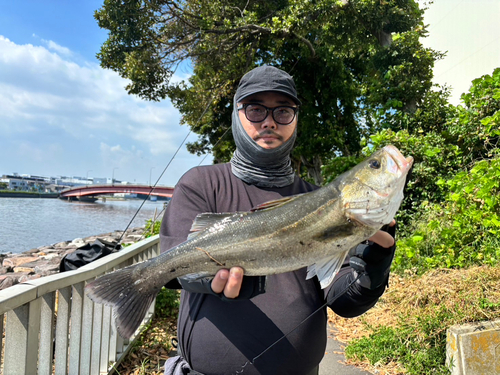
167, 303
462, 231
152, 227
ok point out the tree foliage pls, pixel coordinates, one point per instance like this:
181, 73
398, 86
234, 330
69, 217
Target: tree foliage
451, 214
354, 62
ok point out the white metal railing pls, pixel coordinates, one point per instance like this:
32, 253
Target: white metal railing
51, 327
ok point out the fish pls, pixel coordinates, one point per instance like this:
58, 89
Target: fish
314, 230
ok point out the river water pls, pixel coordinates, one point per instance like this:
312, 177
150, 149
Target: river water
27, 223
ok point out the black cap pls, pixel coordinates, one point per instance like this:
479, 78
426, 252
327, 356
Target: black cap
266, 78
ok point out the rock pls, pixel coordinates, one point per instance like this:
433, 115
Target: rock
28, 277
48, 268
45, 260
135, 237
6, 281
17, 261
78, 242
24, 270
12, 279
50, 256
45, 248
61, 244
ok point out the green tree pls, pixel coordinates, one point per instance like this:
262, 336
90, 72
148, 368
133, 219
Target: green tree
450, 216
354, 62
476, 127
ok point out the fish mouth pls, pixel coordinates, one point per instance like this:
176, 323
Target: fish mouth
400, 162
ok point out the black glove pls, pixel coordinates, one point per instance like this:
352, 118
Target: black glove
371, 262
252, 286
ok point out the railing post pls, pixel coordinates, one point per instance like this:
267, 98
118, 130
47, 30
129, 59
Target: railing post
76, 328
105, 339
34, 314
62, 331
16, 341
96, 339
86, 346
46, 351
2, 317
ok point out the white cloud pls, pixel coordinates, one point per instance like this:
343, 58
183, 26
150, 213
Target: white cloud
57, 48
46, 100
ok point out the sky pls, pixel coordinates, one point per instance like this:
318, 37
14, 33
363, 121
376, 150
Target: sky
61, 114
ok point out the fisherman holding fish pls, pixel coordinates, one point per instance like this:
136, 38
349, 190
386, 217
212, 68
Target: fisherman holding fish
227, 320
258, 252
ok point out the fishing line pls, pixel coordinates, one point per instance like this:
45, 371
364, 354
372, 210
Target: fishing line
252, 362
216, 143
164, 170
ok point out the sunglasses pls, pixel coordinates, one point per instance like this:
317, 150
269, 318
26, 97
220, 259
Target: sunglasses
282, 115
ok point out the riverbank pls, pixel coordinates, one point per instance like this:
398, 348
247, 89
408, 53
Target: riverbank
45, 260
26, 194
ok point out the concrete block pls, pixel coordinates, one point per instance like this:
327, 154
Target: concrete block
474, 349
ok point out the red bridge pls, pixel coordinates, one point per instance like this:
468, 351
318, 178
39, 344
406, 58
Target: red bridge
93, 190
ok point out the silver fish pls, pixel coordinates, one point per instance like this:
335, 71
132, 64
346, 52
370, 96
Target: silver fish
314, 230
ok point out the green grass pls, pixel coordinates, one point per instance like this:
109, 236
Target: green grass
406, 331
404, 345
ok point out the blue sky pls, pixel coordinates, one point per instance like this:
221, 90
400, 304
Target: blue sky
61, 114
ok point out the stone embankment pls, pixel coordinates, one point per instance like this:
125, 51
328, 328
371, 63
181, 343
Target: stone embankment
45, 260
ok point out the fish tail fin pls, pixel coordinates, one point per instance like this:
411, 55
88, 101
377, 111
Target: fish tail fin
326, 269
123, 291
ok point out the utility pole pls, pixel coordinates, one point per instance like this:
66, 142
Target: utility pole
150, 175
113, 178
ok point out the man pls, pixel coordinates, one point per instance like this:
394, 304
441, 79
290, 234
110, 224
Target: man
228, 320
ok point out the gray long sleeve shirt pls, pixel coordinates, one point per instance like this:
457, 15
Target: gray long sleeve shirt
218, 337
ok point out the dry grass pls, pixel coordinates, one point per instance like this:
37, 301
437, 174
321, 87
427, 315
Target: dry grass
474, 294
152, 349
410, 297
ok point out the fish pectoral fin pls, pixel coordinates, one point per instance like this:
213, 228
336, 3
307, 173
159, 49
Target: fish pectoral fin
274, 203
326, 269
204, 220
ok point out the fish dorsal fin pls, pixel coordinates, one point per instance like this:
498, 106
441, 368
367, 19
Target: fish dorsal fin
274, 203
205, 220
326, 269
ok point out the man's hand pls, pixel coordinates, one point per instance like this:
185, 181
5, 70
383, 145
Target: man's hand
383, 238
228, 281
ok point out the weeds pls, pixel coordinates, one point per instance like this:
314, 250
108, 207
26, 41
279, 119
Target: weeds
406, 330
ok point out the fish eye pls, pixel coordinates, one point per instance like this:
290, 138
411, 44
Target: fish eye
375, 164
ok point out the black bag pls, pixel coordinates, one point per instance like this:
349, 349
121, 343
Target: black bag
87, 254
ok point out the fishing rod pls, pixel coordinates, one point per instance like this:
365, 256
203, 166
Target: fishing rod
165, 169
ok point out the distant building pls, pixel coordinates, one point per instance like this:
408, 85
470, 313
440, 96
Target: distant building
100, 181
25, 182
